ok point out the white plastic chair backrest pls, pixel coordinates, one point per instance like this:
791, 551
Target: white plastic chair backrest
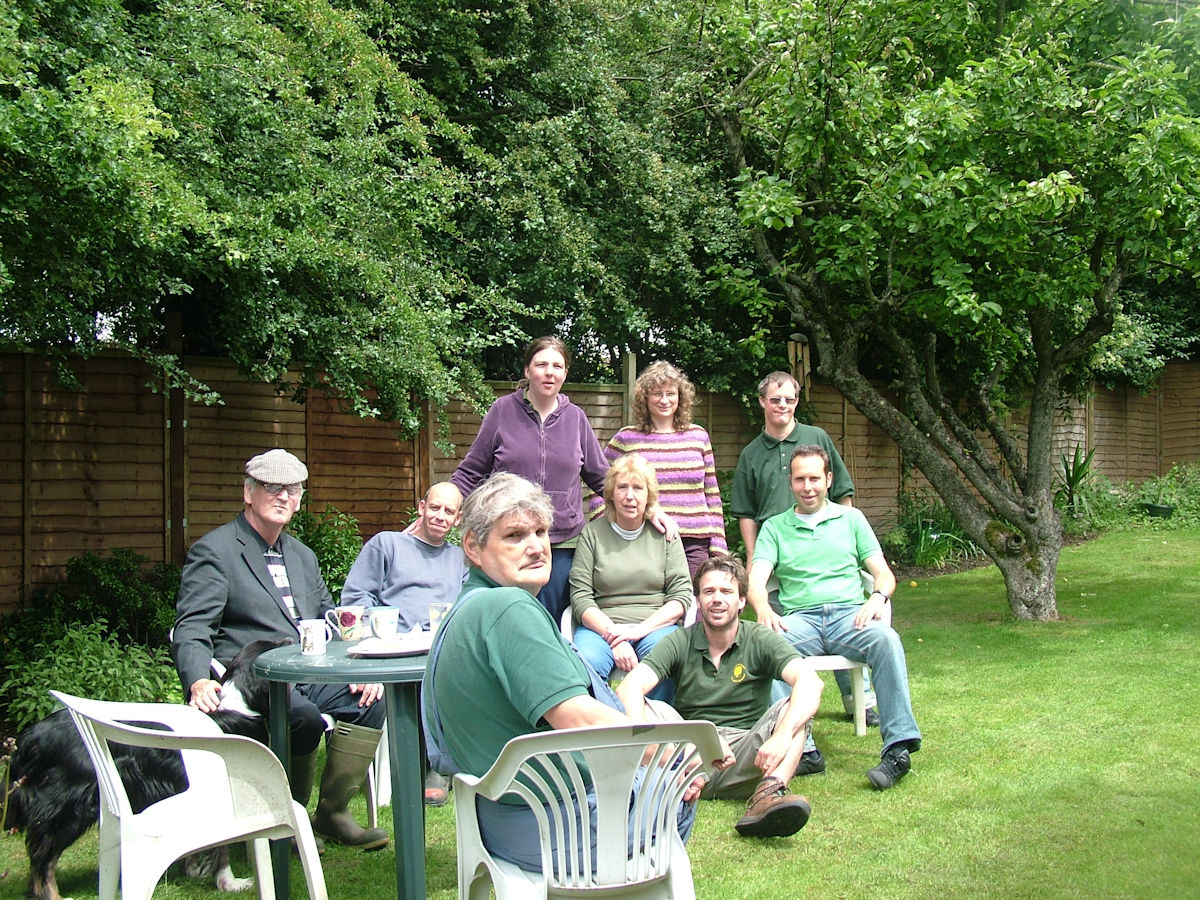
99, 721
546, 767
236, 776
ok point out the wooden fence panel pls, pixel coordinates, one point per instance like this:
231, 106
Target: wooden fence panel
1180, 414
91, 469
13, 434
220, 439
95, 464
1123, 429
361, 467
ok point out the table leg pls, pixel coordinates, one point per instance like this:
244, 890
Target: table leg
281, 746
408, 807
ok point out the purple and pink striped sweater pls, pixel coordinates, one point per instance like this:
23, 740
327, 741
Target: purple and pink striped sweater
687, 478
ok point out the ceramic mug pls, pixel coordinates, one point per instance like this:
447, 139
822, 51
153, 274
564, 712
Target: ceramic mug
348, 620
314, 635
385, 622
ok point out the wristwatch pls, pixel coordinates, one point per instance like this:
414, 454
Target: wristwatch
886, 598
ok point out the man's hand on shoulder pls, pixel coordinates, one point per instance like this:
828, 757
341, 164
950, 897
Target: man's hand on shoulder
772, 620
205, 695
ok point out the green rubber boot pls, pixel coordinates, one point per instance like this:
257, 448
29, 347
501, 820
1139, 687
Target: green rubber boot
348, 755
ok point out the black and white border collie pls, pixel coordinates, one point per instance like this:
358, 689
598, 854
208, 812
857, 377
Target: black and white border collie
54, 798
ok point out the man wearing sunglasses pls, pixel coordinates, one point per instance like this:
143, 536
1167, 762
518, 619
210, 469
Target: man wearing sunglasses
248, 581
761, 484
762, 487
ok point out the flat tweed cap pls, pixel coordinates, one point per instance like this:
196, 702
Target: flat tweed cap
277, 467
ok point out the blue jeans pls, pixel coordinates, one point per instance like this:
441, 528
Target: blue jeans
829, 629
553, 595
598, 653
780, 690
510, 832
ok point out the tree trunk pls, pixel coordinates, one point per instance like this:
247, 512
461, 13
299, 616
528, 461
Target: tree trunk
1029, 577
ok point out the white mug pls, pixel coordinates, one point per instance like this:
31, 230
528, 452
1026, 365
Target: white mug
314, 635
385, 622
348, 620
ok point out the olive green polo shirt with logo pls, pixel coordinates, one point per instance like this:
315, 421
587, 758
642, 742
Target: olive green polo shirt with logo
734, 695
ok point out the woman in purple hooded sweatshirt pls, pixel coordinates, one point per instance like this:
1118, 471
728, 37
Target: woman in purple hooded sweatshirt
538, 433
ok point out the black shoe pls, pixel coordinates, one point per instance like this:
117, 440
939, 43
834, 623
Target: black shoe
892, 767
872, 717
811, 763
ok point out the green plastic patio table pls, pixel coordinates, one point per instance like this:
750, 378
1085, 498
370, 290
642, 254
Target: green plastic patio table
401, 678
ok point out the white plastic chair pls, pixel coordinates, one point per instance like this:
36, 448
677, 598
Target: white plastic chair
544, 769
377, 788
237, 790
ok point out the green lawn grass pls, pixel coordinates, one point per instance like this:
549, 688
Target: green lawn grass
1059, 760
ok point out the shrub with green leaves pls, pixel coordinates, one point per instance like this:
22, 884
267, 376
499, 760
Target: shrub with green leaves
333, 536
931, 537
137, 600
1179, 488
87, 660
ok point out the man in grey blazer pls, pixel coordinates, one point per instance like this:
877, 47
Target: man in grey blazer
248, 580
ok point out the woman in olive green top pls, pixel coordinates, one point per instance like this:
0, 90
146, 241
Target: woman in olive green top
629, 585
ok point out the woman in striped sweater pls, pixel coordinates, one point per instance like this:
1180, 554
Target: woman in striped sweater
682, 457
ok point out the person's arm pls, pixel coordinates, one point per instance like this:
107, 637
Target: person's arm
581, 711
668, 614
802, 705
199, 605
717, 545
881, 595
842, 489
805, 698
633, 689
760, 573
581, 580
595, 464
477, 464
749, 530
364, 581
664, 524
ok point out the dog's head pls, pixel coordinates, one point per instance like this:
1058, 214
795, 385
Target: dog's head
244, 661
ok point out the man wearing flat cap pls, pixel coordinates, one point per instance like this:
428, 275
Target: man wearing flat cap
248, 580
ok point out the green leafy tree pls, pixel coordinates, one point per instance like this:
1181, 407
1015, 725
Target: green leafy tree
596, 217
258, 177
953, 200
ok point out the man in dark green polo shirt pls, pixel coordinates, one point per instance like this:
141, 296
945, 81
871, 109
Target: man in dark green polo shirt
723, 669
762, 484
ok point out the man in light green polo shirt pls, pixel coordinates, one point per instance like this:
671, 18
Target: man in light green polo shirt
816, 550
761, 486
723, 669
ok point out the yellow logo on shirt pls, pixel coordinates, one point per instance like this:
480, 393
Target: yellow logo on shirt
739, 674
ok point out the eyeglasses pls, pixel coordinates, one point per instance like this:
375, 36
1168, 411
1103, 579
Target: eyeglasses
294, 490
782, 401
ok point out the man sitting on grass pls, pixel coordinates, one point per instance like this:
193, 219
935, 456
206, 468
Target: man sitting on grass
723, 669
